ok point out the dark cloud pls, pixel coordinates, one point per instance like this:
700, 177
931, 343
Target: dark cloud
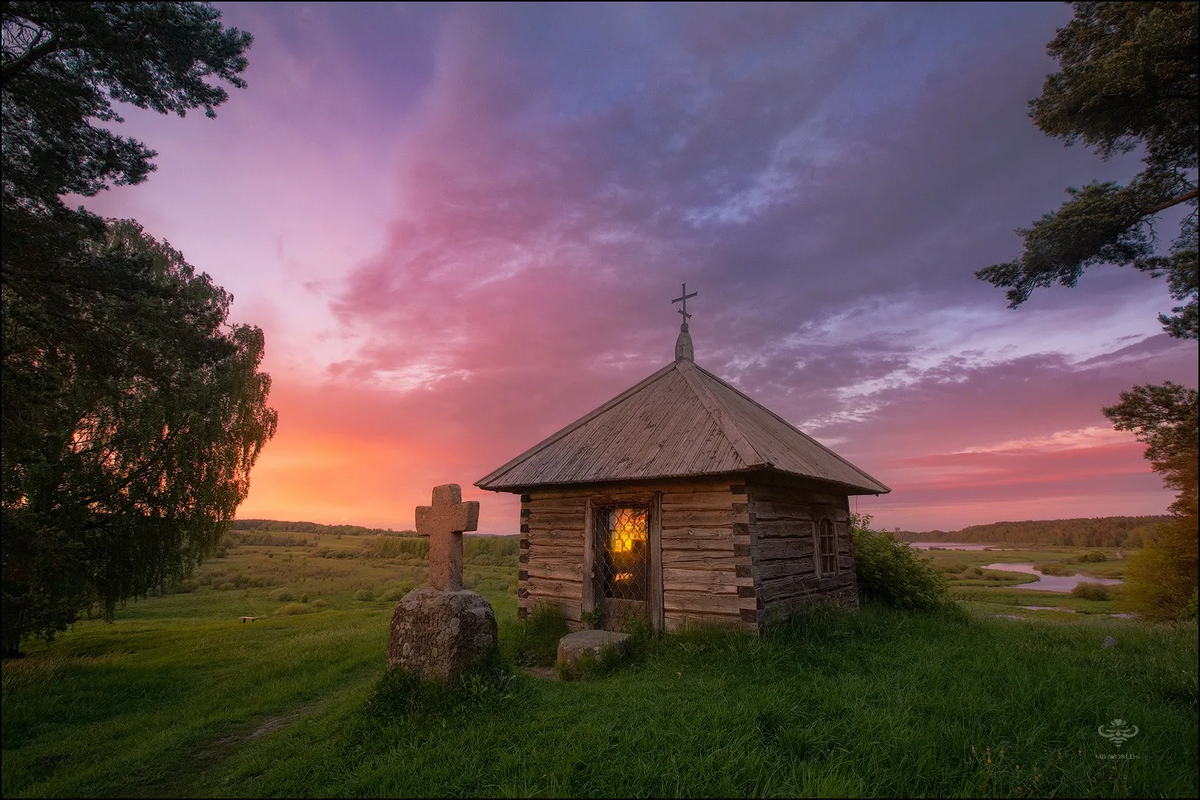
812, 170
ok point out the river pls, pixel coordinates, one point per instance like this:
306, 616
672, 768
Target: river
1051, 583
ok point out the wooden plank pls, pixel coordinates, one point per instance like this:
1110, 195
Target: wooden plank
575, 497
789, 585
556, 550
686, 559
548, 587
695, 580
556, 570
685, 534
655, 563
773, 512
773, 528
681, 620
769, 570
697, 501
588, 571
702, 518
770, 549
700, 602
562, 534
566, 520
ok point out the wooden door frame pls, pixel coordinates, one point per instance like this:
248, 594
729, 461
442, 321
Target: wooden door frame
652, 501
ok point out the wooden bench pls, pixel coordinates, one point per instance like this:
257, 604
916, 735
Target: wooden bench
249, 619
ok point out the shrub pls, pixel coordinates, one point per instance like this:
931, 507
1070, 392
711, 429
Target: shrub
395, 593
1160, 580
1054, 568
953, 567
535, 641
894, 574
304, 598
225, 587
1094, 556
1091, 591
186, 586
292, 609
282, 596
364, 595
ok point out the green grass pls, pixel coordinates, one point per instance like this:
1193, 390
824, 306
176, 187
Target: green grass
180, 698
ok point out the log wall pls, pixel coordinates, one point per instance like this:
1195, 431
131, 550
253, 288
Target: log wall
783, 517
706, 553
703, 535
734, 552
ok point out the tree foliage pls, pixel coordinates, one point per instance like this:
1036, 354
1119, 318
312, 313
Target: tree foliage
1165, 575
1084, 532
892, 572
1128, 80
132, 410
64, 65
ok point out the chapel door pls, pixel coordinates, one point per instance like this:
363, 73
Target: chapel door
623, 574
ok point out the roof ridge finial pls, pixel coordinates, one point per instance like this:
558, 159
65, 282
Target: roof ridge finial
683, 345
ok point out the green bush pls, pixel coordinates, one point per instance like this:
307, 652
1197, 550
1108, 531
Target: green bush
954, 567
894, 574
291, 609
1094, 556
1054, 568
364, 595
535, 642
396, 593
282, 596
1091, 591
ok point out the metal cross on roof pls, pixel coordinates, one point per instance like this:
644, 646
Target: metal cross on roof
684, 299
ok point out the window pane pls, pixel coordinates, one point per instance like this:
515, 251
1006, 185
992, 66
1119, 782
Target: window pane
623, 532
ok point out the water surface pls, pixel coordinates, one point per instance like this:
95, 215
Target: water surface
1051, 583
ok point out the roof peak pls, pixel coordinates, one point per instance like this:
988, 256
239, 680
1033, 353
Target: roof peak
683, 345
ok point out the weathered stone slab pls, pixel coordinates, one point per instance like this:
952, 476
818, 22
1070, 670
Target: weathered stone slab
439, 635
574, 646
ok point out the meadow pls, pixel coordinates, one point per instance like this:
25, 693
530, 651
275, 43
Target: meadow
179, 697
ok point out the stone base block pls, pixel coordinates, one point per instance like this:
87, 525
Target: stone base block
573, 646
441, 636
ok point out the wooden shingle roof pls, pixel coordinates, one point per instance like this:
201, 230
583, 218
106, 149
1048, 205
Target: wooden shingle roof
682, 421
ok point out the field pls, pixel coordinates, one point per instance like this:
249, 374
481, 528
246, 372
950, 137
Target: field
179, 697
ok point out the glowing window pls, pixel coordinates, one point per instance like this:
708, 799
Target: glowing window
623, 533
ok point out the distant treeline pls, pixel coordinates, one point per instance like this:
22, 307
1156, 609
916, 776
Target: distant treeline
491, 550
1091, 532
314, 527
479, 549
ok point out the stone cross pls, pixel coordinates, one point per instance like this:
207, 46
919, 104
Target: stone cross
444, 523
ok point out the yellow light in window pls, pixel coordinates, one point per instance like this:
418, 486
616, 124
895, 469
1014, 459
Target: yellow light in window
628, 525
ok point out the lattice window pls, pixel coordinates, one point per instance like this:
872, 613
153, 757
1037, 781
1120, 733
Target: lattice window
622, 535
827, 543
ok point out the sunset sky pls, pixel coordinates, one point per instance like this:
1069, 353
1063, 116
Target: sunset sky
461, 227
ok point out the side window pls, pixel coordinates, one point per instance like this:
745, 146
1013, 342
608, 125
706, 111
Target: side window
826, 547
